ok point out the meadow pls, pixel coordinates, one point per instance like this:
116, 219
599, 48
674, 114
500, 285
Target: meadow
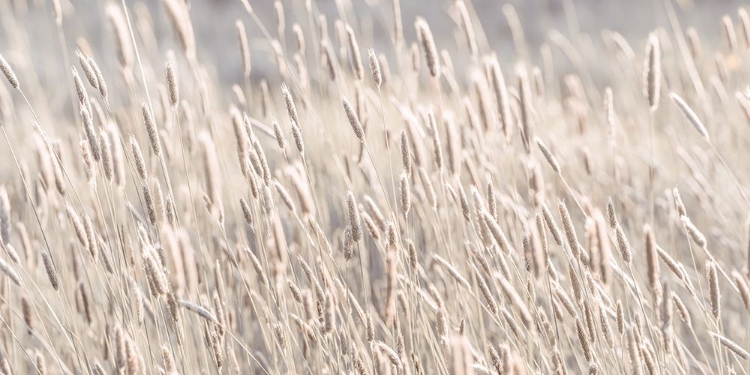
402, 203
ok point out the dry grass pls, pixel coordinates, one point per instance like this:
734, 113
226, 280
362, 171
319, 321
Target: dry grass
158, 221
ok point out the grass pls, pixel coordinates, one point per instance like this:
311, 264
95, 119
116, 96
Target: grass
580, 209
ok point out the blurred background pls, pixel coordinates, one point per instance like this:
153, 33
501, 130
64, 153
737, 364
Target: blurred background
214, 26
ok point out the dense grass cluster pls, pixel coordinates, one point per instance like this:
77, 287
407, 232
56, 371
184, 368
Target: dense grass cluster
579, 208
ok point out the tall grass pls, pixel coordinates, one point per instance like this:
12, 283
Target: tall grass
156, 220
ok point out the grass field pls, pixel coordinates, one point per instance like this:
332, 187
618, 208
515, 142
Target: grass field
368, 187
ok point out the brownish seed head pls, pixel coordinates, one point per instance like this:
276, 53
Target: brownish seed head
291, 108
354, 54
153, 135
652, 258
174, 90
547, 155
279, 134
623, 244
570, 232
428, 46
377, 75
611, 214
405, 190
713, 289
354, 219
244, 48
691, 116
9, 74
87, 69
353, 119
653, 71
51, 271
